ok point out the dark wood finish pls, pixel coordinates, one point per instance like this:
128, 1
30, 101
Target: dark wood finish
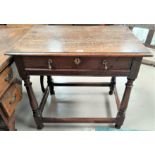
78, 120
69, 62
84, 84
112, 86
80, 41
42, 83
124, 103
135, 68
118, 103
50, 84
77, 72
43, 101
82, 51
33, 102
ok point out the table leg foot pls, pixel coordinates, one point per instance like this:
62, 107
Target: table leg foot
120, 119
33, 102
39, 127
117, 126
38, 119
124, 103
110, 92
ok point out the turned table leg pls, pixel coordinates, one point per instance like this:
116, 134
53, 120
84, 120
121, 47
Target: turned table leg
124, 103
33, 103
50, 84
112, 85
42, 83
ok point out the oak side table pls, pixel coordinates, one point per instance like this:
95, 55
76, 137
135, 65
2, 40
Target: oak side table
111, 51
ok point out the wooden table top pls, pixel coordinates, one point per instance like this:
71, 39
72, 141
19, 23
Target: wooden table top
79, 40
8, 37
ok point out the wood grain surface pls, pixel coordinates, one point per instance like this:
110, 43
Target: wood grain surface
11, 98
8, 36
80, 40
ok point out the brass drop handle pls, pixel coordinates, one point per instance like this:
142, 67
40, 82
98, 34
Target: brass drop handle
105, 64
50, 63
77, 61
13, 99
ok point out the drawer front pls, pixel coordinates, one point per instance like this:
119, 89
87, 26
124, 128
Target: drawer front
6, 77
85, 63
10, 99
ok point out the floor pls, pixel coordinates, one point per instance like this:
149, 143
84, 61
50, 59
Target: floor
150, 60
141, 34
93, 102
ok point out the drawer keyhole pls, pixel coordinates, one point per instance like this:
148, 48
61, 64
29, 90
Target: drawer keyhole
105, 64
77, 61
50, 63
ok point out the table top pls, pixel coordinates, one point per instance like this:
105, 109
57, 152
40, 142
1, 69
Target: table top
79, 40
8, 37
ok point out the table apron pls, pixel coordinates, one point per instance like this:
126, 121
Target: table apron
75, 72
